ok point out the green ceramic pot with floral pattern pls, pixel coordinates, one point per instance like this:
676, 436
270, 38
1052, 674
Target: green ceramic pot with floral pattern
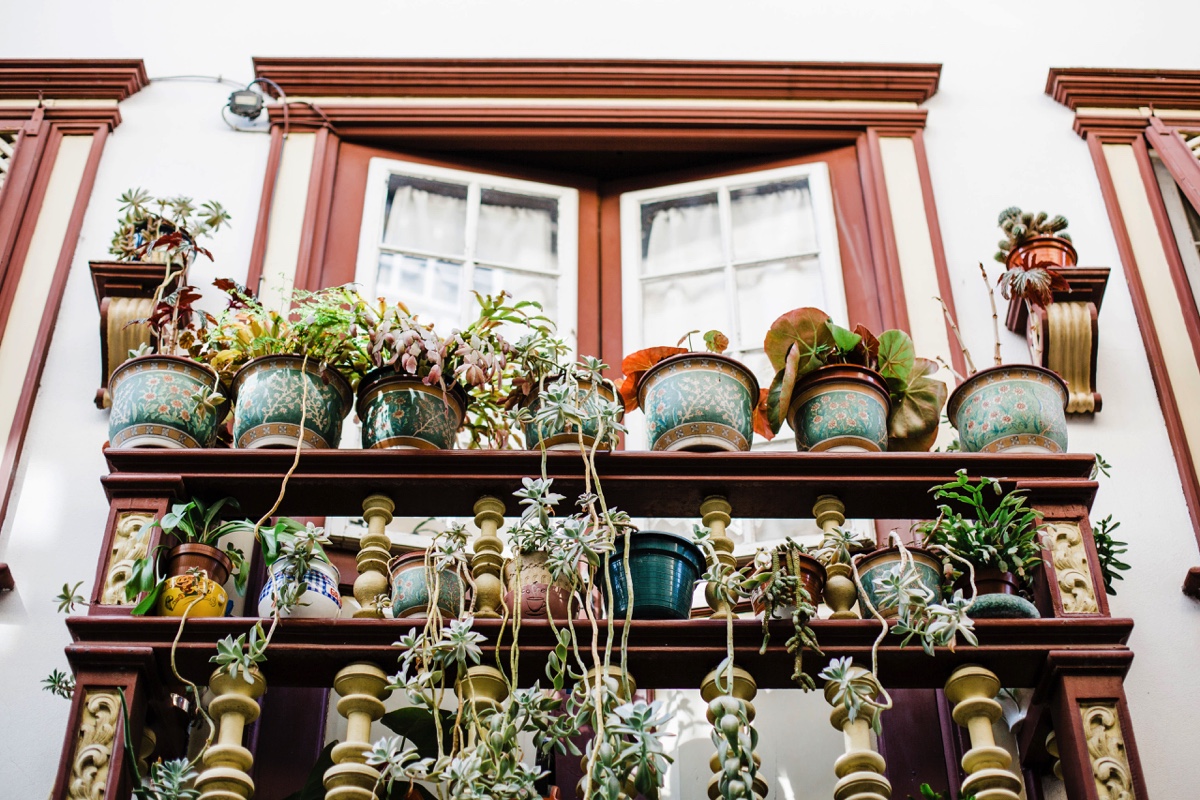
398, 412
269, 393
1014, 409
874, 567
553, 436
411, 588
841, 408
157, 402
699, 402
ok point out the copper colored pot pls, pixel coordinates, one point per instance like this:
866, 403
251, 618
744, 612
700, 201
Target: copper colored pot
812, 575
989, 580
1057, 252
186, 556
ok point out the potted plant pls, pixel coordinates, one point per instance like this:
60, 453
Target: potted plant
292, 373
1034, 239
1002, 543
165, 398
423, 386
879, 573
1010, 408
557, 405
781, 571
301, 581
421, 576
194, 568
139, 226
545, 588
849, 390
699, 401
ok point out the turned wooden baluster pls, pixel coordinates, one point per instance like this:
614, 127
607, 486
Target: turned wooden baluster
860, 769
374, 551
626, 689
744, 690
363, 688
840, 592
227, 763
715, 512
1052, 749
488, 559
972, 689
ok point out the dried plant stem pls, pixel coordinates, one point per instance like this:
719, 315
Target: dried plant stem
995, 317
958, 337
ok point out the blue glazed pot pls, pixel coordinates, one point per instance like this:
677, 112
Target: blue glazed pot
699, 401
1015, 409
410, 588
841, 407
398, 412
155, 403
664, 568
881, 563
270, 391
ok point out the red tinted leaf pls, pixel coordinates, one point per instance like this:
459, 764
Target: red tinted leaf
762, 424
637, 362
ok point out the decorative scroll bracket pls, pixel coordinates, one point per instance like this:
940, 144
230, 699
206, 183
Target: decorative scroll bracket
124, 292
1065, 335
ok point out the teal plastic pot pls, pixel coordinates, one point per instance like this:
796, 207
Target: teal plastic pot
398, 412
156, 403
881, 563
664, 568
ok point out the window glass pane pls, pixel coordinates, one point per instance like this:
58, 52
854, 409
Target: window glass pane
764, 291
426, 215
772, 220
673, 306
518, 229
681, 234
428, 286
521, 285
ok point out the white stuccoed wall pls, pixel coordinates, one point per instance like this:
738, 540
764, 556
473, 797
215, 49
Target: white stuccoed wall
993, 139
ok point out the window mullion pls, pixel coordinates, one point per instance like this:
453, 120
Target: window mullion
474, 198
725, 214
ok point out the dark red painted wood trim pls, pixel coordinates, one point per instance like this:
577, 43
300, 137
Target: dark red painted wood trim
1124, 88
18, 185
262, 228
93, 79
315, 226
1177, 157
760, 80
891, 264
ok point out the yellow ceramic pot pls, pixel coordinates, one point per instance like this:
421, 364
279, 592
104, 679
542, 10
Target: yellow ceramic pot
204, 596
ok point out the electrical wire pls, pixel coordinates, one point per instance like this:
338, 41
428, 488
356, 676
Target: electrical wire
212, 78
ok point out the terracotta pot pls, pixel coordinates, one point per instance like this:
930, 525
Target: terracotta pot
154, 404
202, 596
267, 409
540, 596
988, 580
183, 557
1058, 252
840, 408
881, 562
812, 576
1015, 409
410, 589
699, 402
552, 436
398, 412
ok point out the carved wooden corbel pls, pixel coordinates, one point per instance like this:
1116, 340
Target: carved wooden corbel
124, 292
1065, 335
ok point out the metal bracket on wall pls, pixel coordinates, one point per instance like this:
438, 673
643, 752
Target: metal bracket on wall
1065, 335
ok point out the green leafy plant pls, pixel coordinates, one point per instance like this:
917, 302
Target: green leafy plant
289, 548
1109, 551
242, 654
1021, 226
59, 684
1005, 535
192, 522
168, 780
928, 793
805, 339
145, 219
856, 690
69, 597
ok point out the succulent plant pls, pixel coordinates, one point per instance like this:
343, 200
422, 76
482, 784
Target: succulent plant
1021, 226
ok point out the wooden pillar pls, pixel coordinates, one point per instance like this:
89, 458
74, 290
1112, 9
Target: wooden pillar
127, 539
363, 688
488, 558
743, 691
374, 552
840, 592
860, 769
227, 763
714, 512
973, 689
1072, 568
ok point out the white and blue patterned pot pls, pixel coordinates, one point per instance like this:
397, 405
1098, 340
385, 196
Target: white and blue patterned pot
321, 599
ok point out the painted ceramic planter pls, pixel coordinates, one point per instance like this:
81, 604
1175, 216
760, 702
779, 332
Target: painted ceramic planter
812, 576
199, 595
398, 412
1014, 409
664, 568
700, 402
1059, 253
875, 566
320, 600
155, 403
410, 588
269, 392
840, 408
552, 436
541, 596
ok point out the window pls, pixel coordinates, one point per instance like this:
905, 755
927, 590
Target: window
8, 143
431, 236
1185, 224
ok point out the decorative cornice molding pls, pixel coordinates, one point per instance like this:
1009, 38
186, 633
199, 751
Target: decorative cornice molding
758, 80
93, 79
1124, 88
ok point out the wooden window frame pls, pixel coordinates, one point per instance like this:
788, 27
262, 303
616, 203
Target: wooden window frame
43, 124
1120, 106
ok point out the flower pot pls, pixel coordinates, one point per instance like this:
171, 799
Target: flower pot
269, 391
699, 402
812, 576
202, 596
553, 436
988, 580
1052, 250
321, 598
541, 597
1015, 409
997, 595
398, 412
881, 563
155, 403
840, 408
410, 588
664, 568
